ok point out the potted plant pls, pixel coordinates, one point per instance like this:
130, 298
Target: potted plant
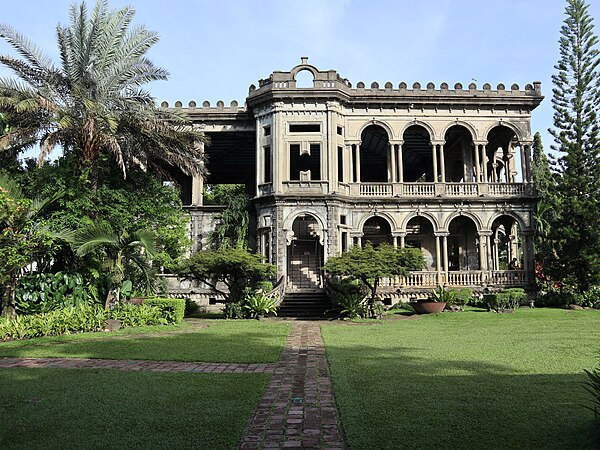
435, 303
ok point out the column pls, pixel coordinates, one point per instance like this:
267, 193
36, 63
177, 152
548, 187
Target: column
197, 188
442, 163
528, 254
393, 162
260, 165
435, 165
496, 256
400, 164
438, 262
484, 161
403, 240
357, 153
484, 248
477, 164
445, 249
528, 163
523, 164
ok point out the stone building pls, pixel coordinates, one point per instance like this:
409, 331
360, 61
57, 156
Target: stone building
330, 165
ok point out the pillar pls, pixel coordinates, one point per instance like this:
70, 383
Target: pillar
435, 164
438, 262
403, 240
523, 164
484, 161
392, 163
527, 152
357, 154
400, 164
445, 250
197, 188
442, 163
477, 164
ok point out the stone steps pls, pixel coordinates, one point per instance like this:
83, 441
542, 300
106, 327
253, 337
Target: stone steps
314, 305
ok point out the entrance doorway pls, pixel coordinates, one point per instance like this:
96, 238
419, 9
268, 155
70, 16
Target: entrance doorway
305, 255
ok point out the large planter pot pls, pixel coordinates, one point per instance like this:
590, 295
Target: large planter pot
428, 306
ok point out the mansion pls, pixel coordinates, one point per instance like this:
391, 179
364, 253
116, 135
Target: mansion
330, 165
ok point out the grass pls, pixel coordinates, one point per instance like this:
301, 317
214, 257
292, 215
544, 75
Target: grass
105, 409
222, 341
466, 380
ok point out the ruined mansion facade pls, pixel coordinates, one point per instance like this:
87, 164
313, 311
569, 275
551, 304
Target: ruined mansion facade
329, 165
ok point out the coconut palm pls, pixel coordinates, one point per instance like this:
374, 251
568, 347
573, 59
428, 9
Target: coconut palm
119, 254
93, 103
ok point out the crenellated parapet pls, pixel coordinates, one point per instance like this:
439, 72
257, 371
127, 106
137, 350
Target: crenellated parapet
329, 84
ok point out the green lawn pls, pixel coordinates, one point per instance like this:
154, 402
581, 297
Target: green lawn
466, 380
108, 409
242, 341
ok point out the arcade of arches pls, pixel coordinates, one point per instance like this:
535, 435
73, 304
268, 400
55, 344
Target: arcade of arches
458, 158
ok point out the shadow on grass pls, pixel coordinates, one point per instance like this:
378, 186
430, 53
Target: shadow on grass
396, 398
105, 409
208, 345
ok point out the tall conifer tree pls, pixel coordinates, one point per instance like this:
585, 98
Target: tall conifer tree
576, 99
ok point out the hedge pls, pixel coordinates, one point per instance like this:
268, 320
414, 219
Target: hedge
173, 308
79, 319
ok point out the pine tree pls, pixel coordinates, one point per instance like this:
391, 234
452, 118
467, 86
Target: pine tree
576, 131
544, 210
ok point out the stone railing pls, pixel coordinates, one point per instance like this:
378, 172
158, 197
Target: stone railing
388, 190
376, 189
418, 189
467, 278
265, 189
507, 189
305, 187
508, 277
462, 189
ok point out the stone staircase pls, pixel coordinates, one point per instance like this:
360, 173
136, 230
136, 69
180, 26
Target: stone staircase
305, 305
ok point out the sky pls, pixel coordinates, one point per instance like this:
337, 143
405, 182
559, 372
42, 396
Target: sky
214, 50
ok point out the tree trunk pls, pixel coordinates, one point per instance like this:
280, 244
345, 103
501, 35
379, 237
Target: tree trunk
8, 298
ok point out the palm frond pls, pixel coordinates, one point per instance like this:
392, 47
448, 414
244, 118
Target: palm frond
11, 187
93, 237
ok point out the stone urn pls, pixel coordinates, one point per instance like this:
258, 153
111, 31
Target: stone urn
427, 306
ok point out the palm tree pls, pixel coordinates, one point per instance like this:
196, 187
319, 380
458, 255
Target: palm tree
119, 254
94, 103
21, 241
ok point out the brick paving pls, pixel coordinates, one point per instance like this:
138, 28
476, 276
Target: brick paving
297, 409
138, 365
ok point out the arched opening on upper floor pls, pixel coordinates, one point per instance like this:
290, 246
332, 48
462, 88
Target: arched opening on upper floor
507, 244
459, 155
374, 154
502, 162
377, 230
305, 79
417, 157
463, 244
419, 234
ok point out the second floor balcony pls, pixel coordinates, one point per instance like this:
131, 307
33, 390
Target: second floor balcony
401, 190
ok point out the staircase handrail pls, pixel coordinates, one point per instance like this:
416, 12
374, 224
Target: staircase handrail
278, 291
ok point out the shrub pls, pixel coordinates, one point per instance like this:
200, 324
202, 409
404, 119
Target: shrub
592, 385
235, 310
442, 294
509, 299
463, 297
259, 305
350, 298
44, 292
173, 309
78, 319
132, 315
191, 307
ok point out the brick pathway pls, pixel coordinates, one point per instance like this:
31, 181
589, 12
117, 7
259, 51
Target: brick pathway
297, 409
151, 366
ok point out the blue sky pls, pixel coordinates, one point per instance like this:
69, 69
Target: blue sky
215, 49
